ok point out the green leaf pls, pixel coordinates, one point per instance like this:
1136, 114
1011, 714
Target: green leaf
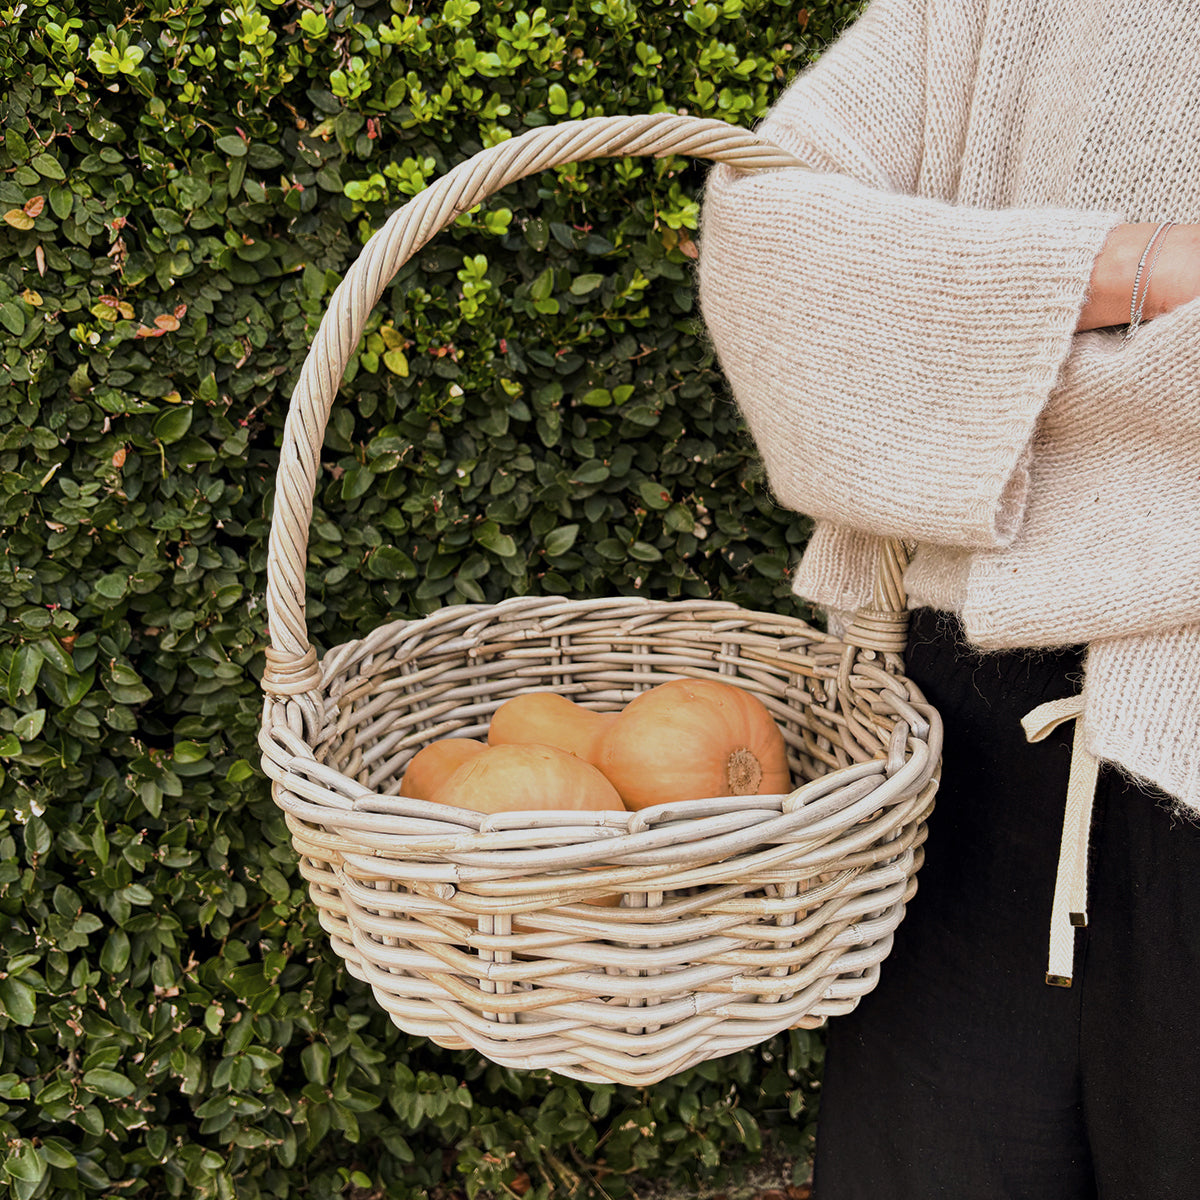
560, 540
581, 285
653, 495
357, 482
173, 424
16, 145
679, 519
12, 317
190, 752
239, 772
396, 362
48, 166
13, 1087
54, 654
112, 587
556, 99
315, 1059
62, 200
469, 589
38, 837
208, 389
23, 674
151, 795
25, 1163
543, 285
233, 145
263, 157
490, 537
27, 727
115, 955
18, 1001
57, 1153
388, 562
109, 1083
592, 471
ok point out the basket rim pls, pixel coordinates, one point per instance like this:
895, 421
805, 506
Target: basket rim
565, 607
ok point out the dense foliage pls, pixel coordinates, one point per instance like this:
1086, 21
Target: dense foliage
534, 409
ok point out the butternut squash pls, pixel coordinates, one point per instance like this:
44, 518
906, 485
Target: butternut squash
689, 739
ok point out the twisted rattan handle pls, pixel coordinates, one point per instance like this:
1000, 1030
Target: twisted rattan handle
291, 669
883, 625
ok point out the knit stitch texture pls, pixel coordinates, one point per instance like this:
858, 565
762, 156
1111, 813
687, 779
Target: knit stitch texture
897, 324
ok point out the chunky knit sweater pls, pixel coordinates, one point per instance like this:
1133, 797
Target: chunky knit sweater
897, 325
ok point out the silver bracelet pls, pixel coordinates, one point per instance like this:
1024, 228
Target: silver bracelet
1141, 287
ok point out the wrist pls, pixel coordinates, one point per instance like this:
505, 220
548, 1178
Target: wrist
1174, 281
1111, 286
1177, 278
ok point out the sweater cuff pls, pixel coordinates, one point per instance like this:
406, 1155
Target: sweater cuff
837, 571
1137, 714
892, 354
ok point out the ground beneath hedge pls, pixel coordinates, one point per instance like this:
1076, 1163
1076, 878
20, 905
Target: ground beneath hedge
751, 1190
764, 1181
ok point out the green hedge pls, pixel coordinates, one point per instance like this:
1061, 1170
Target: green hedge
533, 410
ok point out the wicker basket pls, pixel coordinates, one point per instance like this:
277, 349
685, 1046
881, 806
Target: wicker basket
740, 917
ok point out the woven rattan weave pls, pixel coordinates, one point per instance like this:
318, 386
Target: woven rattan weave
740, 916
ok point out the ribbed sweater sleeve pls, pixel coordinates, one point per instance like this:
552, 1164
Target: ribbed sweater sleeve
1142, 713
891, 351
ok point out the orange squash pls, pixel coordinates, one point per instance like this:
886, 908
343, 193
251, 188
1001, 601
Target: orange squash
511, 778
548, 719
431, 766
689, 739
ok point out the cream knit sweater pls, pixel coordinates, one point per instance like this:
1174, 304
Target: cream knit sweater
897, 326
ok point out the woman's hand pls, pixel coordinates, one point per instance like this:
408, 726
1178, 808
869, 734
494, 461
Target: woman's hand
1175, 280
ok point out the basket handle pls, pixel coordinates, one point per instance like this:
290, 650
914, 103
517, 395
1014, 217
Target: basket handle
291, 667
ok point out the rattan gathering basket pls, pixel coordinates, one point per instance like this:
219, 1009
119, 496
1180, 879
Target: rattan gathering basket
740, 916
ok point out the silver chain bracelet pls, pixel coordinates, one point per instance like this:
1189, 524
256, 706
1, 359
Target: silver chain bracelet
1137, 300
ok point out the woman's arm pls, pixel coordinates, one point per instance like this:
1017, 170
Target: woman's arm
892, 350
892, 353
1175, 281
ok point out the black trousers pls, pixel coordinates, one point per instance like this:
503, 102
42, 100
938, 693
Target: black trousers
963, 1074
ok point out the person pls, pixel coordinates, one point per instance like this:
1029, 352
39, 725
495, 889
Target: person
971, 320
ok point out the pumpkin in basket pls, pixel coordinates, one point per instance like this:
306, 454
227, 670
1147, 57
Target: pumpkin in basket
509, 778
431, 766
693, 738
516, 778
548, 719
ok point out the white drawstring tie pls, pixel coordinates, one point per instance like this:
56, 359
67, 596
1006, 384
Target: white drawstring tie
1070, 887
